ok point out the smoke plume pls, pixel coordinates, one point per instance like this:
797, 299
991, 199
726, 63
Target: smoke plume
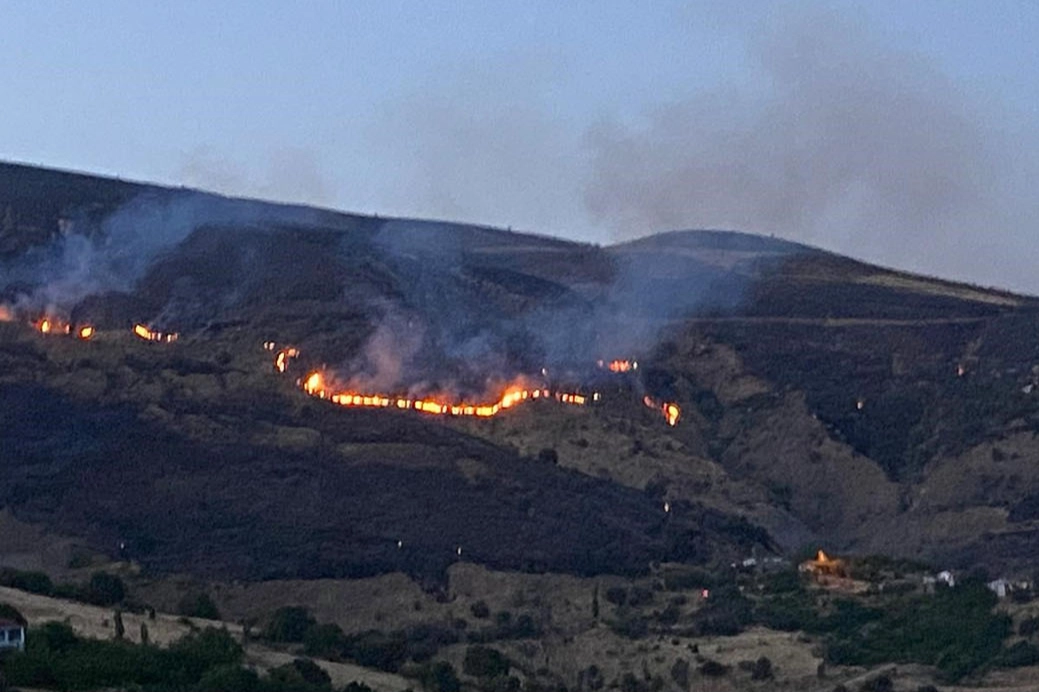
855, 145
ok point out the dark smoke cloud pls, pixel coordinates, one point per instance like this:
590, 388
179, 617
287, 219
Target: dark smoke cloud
856, 145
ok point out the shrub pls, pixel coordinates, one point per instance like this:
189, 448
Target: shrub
325, 640
617, 596
300, 675
484, 662
27, 580
198, 605
440, 676
882, 682
480, 609
385, 651
762, 670
289, 624
229, 677
1020, 654
680, 673
1028, 627
12, 614
105, 589
713, 668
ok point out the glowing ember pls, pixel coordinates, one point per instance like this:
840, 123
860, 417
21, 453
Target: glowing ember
671, 411
85, 332
49, 325
151, 336
281, 361
860, 403
6, 314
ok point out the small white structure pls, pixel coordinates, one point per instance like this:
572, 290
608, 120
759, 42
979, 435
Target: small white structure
1002, 587
947, 577
12, 636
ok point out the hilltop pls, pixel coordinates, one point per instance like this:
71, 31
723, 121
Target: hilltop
824, 402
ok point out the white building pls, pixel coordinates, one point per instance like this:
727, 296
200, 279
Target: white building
12, 635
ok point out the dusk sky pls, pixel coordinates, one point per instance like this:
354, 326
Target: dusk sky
899, 132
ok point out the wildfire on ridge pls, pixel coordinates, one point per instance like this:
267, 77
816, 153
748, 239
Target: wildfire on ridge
281, 361
671, 411
53, 325
6, 314
48, 325
314, 384
150, 336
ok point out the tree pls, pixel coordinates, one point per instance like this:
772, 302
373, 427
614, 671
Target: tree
229, 677
120, 629
484, 662
440, 676
198, 605
105, 589
325, 640
289, 624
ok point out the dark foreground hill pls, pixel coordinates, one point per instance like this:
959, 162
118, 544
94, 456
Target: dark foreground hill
823, 400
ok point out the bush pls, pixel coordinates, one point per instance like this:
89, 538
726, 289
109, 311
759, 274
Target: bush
105, 589
1020, 654
1028, 627
27, 580
762, 670
289, 624
713, 668
882, 682
198, 606
10, 613
480, 609
325, 640
439, 676
58, 659
484, 662
229, 677
617, 596
954, 629
300, 675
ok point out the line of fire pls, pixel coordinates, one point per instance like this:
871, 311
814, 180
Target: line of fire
315, 383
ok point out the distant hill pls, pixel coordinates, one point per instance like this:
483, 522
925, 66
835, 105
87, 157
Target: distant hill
824, 400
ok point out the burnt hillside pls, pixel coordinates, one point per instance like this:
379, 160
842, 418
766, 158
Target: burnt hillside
823, 399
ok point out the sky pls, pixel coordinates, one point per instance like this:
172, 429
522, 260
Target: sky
903, 133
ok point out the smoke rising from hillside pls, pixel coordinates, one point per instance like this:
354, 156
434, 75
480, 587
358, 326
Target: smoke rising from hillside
856, 146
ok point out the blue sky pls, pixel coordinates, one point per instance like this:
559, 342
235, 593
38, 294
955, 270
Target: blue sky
593, 120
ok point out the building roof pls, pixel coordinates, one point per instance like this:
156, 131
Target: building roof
7, 623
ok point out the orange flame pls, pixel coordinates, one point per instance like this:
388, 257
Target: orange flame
314, 384
49, 325
281, 361
150, 336
85, 332
671, 411
618, 365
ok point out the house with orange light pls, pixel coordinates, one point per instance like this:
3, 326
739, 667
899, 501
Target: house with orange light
823, 566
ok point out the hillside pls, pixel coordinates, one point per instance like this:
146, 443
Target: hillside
823, 401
